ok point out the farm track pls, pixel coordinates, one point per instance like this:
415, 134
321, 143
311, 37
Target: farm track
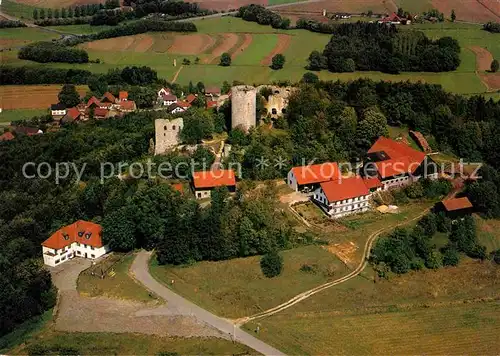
304, 295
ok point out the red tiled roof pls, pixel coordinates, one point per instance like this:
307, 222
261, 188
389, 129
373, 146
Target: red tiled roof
391, 18
123, 95
110, 97
211, 104
178, 187
127, 105
65, 236
169, 97
190, 98
215, 178
316, 173
7, 136
372, 182
183, 104
344, 188
106, 105
99, 112
457, 204
212, 90
73, 113
93, 100
30, 131
422, 142
402, 158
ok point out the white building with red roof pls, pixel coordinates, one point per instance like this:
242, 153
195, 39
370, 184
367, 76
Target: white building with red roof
80, 239
307, 178
396, 164
343, 196
206, 181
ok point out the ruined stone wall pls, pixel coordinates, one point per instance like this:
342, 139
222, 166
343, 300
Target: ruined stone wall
167, 134
243, 106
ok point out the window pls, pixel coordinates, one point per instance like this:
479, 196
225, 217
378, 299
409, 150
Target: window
283, 111
88, 235
80, 233
78, 253
92, 248
273, 111
93, 256
199, 195
63, 258
165, 127
173, 127
57, 261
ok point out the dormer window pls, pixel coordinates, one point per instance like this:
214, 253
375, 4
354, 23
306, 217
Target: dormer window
88, 235
65, 236
80, 233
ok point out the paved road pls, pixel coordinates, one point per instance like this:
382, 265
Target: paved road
140, 271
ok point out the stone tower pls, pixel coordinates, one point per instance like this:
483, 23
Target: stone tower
167, 134
243, 106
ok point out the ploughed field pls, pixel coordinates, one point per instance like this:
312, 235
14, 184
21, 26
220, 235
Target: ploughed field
31, 96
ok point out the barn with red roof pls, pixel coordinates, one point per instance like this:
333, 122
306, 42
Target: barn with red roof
206, 181
80, 239
396, 164
307, 178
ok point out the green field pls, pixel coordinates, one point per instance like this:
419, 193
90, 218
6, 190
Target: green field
120, 285
16, 9
237, 287
488, 233
416, 313
6, 116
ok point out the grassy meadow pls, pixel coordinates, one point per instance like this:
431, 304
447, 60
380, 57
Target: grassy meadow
447, 311
248, 67
119, 285
237, 287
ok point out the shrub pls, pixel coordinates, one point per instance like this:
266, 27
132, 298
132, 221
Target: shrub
310, 77
271, 264
278, 61
225, 59
494, 66
450, 256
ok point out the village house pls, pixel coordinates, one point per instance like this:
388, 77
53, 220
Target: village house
205, 181
190, 98
455, 208
307, 178
167, 99
57, 111
397, 164
72, 115
421, 141
394, 19
80, 239
7, 136
212, 93
343, 196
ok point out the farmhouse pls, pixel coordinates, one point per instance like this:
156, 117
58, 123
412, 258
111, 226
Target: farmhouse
190, 98
307, 178
455, 208
343, 196
212, 93
7, 136
72, 115
164, 91
394, 19
167, 99
175, 108
396, 164
205, 181
57, 111
80, 239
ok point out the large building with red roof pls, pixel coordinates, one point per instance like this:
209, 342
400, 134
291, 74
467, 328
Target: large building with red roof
396, 164
80, 239
206, 181
345, 196
307, 178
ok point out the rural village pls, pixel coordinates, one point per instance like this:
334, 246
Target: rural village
277, 177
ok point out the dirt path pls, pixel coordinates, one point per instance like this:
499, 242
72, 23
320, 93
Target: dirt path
483, 58
176, 75
281, 46
304, 295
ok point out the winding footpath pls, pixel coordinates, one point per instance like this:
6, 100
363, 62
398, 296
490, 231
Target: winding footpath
304, 295
140, 271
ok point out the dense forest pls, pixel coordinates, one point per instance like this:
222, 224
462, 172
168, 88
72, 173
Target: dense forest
263, 16
375, 47
44, 52
324, 121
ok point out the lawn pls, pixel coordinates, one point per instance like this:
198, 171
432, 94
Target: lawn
237, 287
16, 9
18, 37
416, 313
61, 343
6, 116
118, 285
488, 233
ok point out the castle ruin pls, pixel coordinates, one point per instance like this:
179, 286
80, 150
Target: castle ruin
167, 133
243, 106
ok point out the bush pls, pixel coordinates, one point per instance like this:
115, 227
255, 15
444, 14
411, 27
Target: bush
494, 66
450, 256
271, 264
278, 61
11, 24
492, 27
310, 77
225, 60
44, 52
